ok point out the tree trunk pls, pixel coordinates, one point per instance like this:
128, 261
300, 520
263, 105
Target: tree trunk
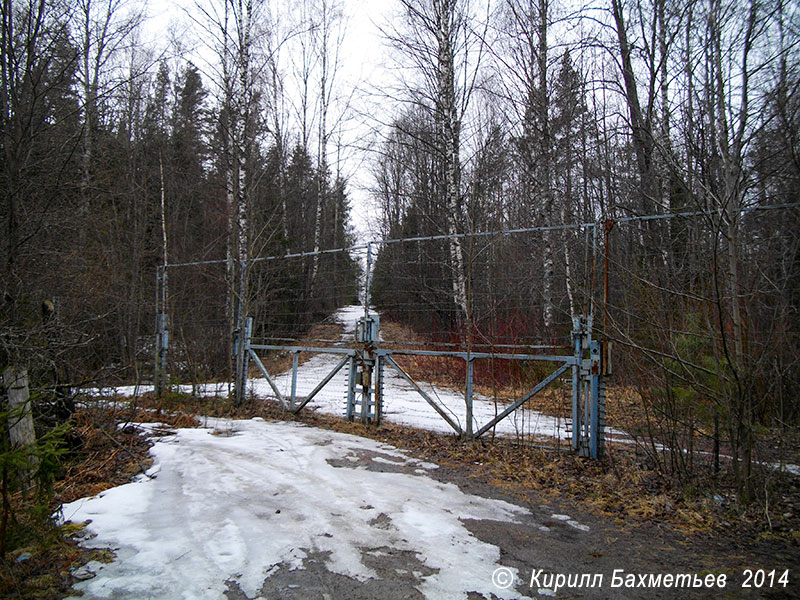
241, 148
640, 127
545, 162
448, 126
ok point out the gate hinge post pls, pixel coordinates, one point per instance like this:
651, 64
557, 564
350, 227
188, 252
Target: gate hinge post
162, 345
468, 396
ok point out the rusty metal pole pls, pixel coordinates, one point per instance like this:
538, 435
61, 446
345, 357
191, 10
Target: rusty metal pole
606, 250
606, 345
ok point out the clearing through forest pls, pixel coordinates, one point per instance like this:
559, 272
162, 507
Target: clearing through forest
250, 509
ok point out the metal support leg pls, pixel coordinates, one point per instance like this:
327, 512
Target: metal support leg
162, 344
295, 362
468, 432
351, 389
597, 408
577, 339
366, 391
248, 334
597, 421
593, 416
378, 390
367, 334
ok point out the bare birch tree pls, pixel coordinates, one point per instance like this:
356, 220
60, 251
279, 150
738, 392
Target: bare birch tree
105, 27
528, 25
330, 33
233, 33
438, 39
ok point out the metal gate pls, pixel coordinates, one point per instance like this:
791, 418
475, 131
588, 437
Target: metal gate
367, 362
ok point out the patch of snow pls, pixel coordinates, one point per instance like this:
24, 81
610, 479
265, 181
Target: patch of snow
347, 317
577, 525
379, 459
87, 571
569, 521
236, 507
793, 469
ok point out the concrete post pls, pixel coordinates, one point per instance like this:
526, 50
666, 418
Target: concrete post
20, 421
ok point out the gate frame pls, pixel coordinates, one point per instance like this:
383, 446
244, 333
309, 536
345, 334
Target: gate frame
588, 385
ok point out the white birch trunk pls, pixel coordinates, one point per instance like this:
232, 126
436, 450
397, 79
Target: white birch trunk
322, 159
568, 268
449, 127
160, 374
546, 158
89, 108
163, 229
242, 99
230, 275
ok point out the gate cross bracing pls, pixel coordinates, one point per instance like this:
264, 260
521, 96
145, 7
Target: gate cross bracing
366, 360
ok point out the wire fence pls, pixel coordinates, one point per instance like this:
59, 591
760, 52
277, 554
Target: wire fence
702, 308
510, 289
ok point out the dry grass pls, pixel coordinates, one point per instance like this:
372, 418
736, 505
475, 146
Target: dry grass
47, 573
100, 455
398, 333
103, 456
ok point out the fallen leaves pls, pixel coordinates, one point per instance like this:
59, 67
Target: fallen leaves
102, 455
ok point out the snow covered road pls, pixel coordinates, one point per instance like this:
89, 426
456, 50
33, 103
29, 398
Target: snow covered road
237, 507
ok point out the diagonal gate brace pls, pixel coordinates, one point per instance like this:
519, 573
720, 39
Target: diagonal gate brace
322, 384
539, 387
271, 383
422, 393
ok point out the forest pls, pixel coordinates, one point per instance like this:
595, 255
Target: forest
673, 128
649, 150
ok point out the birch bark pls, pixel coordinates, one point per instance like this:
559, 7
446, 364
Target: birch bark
448, 123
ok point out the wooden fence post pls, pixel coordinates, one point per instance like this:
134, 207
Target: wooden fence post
20, 422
